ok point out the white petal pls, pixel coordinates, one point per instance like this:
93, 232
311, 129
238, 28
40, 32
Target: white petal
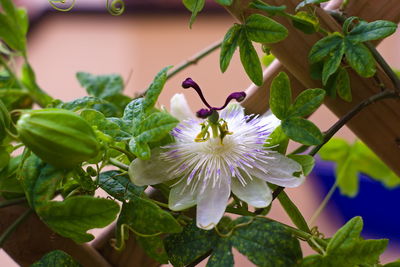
211, 204
233, 110
149, 172
270, 119
181, 198
280, 171
256, 192
180, 108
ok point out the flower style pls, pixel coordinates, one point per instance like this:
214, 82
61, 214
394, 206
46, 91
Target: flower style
208, 166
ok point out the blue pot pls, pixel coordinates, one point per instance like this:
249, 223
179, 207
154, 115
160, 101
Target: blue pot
378, 205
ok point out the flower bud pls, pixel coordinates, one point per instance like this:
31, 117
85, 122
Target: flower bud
5, 121
59, 137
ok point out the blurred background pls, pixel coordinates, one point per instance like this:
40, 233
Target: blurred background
152, 34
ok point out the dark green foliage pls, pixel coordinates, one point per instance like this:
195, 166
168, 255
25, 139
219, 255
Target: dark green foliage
56, 258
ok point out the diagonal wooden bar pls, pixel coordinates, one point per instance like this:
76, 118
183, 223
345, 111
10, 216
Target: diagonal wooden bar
378, 125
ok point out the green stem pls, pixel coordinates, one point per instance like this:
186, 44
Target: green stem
13, 227
12, 202
238, 211
161, 204
194, 59
124, 151
385, 66
323, 204
119, 164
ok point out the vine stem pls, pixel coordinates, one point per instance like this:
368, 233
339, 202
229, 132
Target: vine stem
195, 59
119, 164
323, 204
13, 226
340, 123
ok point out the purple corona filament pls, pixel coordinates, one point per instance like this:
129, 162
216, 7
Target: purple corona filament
204, 113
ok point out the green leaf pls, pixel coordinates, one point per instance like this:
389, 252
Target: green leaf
224, 2
293, 212
195, 6
267, 60
393, 264
99, 122
29, 80
271, 10
140, 149
101, 86
190, 244
228, 46
347, 236
307, 102
13, 26
146, 218
249, 59
360, 58
154, 90
306, 22
134, 110
82, 103
307, 162
56, 258
325, 47
10, 186
332, 63
222, 254
347, 248
262, 29
277, 140
154, 247
335, 150
74, 216
119, 186
302, 131
280, 96
309, 2
378, 29
340, 83
266, 243
155, 127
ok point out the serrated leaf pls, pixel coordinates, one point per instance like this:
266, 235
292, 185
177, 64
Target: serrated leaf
190, 244
134, 110
74, 216
307, 102
228, 46
250, 60
119, 186
360, 58
277, 140
324, 47
222, 254
154, 247
302, 131
309, 2
224, 2
195, 6
56, 258
81, 103
332, 63
266, 243
307, 162
154, 90
271, 10
262, 29
280, 96
378, 29
101, 86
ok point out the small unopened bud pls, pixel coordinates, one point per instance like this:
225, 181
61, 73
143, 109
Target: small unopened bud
204, 113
